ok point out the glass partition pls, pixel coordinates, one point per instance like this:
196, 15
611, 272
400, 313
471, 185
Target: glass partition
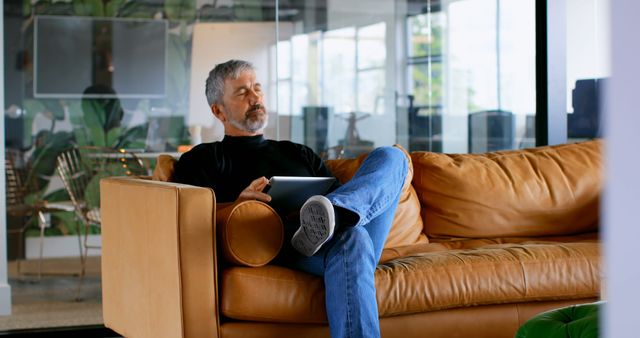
453, 76
588, 66
341, 76
107, 83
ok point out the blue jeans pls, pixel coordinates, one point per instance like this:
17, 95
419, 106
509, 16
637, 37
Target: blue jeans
348, 261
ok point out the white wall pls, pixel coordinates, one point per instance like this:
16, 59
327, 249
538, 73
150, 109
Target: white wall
5, 289
622, 194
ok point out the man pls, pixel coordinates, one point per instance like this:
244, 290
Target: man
340, 236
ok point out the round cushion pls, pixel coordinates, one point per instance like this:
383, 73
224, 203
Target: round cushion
577, 321
251, 233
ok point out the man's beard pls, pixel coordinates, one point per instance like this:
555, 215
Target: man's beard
252, 121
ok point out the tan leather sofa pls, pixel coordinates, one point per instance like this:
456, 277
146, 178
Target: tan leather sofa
480, 243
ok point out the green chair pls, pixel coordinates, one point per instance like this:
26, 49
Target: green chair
577, 321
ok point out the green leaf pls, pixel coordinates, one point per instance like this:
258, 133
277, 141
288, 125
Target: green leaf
33, 107
113, 135
32, 198
178, 58
136, 9
112, 7
26, 8
92, 193
88, 7
94, 119
134, 137
80, 130
180, 9
70, 223
43, 159
58, 195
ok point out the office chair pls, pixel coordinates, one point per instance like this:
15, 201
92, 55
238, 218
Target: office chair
491, 130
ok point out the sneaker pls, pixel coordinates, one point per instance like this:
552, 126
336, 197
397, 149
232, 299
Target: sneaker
317, 222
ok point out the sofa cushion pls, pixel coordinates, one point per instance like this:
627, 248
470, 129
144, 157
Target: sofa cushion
165, 167
407, 222
250, 233
542, 191
506, 273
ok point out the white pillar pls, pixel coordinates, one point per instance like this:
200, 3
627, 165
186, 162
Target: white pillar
5, 289
622, 192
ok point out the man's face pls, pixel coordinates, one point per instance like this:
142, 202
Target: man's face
242, 110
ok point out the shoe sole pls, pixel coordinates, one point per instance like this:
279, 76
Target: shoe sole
317, 222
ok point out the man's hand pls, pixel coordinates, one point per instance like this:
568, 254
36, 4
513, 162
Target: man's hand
254, 191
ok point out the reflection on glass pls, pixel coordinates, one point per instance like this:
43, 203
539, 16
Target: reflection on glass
350, 75
371, 91
284, 98
587, 66
114, 76
338, 69
371, 46
300, 91
284, 59
490, 68
426, 84
426, 34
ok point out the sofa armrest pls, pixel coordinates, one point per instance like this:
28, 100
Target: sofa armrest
159, 273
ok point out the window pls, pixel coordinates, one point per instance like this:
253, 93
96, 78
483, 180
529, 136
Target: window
587, 66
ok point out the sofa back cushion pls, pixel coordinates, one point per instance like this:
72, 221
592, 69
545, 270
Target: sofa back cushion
165, 167
542, 191
407, 223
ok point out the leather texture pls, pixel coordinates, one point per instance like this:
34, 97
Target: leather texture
534, 192
407, 222
250, 233
476, 243
159, 272
490, 321
503, 273
165, 167
512, 234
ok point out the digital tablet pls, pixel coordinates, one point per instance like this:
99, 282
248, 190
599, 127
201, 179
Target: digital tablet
290, 192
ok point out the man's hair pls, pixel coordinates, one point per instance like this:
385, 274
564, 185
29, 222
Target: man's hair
214, 88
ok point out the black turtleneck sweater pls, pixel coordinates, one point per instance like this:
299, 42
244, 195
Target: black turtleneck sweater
231, 165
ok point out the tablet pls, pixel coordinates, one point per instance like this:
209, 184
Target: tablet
290, 192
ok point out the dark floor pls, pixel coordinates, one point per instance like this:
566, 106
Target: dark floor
69, 332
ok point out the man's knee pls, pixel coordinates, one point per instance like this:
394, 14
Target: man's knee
392, 157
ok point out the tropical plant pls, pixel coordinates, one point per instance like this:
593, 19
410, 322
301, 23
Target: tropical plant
96, 122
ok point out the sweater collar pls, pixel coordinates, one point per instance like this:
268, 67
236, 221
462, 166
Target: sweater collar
244, 140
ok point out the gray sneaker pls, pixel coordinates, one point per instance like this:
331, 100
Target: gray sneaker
317, 222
